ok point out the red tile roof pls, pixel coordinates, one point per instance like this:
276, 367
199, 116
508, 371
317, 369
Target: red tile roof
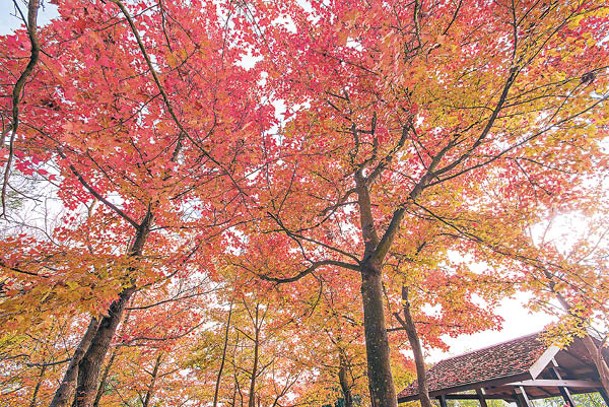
504, 360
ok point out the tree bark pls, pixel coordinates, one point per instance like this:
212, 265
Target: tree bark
155, 373
252, 395
600, 363
343, 370
108, 368
593, 350
413, 338
222, 362
34, 401
104, 379
382, 390
91, 363
64, 393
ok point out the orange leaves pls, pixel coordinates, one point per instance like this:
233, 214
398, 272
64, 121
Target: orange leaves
46, 280
427, 137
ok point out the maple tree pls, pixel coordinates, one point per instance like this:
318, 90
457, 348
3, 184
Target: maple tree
570, 282
250, 356
119, 153
359, 143
398, 112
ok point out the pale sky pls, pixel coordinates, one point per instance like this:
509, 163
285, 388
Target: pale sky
9, 20
518, 321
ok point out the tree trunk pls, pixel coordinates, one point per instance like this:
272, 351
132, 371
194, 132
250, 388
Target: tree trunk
252, 398
104, 379
237, 385
382, 390
413, 338
344, 381
222, 362
593, 350
600, 363
34, 401
155, 373
63, 395
91, 363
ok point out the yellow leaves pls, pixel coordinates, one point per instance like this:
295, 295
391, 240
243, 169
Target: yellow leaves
9, 340
562, 333
176, 57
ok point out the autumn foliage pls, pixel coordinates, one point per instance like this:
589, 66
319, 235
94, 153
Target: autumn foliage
260, 202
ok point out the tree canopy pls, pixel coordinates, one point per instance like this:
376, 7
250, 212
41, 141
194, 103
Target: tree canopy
270, 203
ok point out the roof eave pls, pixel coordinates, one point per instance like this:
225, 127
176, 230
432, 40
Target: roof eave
471, 386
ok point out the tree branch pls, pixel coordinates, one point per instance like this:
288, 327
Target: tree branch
32, 27
308, 271
96, 194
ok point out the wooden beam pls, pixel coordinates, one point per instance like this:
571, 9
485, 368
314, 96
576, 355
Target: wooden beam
521, 397
475, 397
581, 384
543, 361
564, 391
566, 396
481, 398
453, 396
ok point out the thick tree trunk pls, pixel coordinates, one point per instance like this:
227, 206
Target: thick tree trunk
91, 363
63, 395
104, 379
382, 390
344, 381
413, 338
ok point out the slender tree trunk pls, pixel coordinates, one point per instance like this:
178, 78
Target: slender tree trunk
63, 395
34, 401
252, 398
222, 362
104, 379
413, 338
343, 379
597, 357
237, 385
382, 390
91, 363
155, 373
593, 350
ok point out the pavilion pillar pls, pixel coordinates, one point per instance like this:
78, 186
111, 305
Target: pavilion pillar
604, 395
564, 391
481, 399
442, 400
522, 400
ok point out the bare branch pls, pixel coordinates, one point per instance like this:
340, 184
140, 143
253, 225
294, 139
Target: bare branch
32, 27
307, 271
96, 194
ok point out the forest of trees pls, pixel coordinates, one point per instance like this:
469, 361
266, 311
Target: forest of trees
289, 202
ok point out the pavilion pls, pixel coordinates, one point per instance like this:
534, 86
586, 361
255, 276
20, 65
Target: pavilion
516, 371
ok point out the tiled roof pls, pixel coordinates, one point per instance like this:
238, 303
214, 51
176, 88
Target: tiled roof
504, 360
